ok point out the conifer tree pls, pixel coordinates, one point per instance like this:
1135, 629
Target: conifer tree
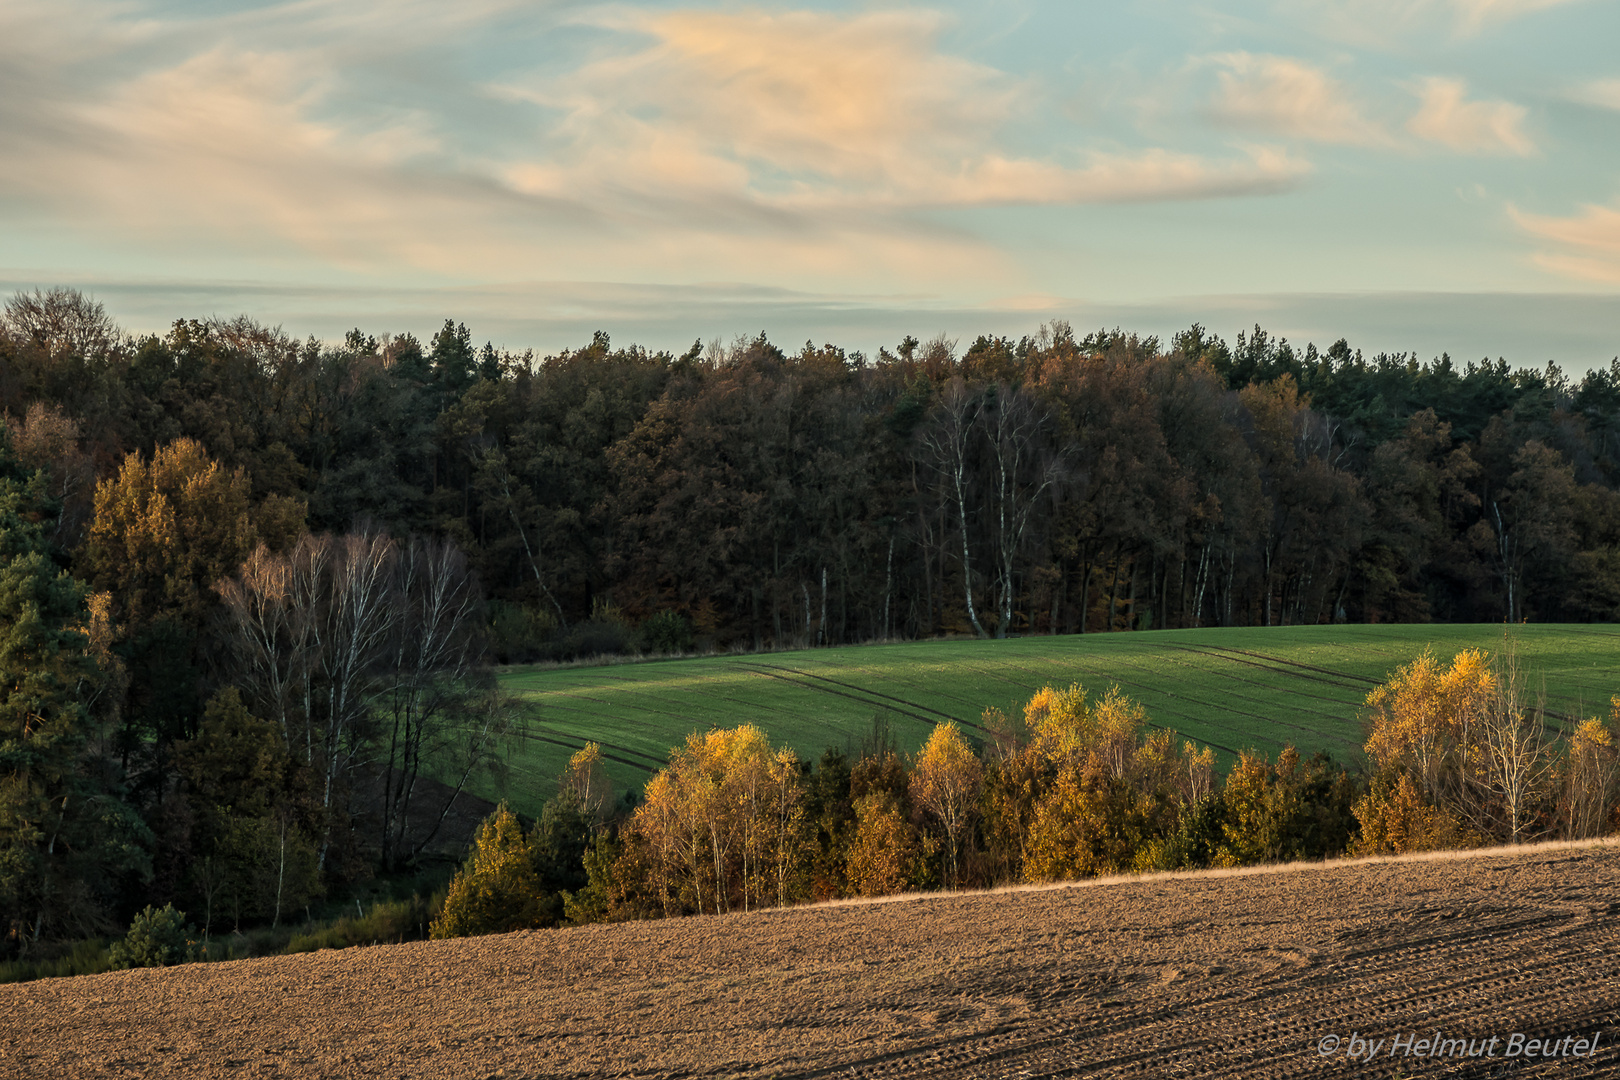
65, 837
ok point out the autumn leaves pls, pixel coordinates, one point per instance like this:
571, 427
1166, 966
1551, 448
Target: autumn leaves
1078, 785
1465, 759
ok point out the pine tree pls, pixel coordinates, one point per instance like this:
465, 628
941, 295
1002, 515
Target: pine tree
65, 837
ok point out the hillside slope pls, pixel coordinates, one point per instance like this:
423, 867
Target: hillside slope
1233, 689
1205, 975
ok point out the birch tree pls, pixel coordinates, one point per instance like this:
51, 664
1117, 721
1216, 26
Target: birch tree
946, 442
368, 657
945, 783
440, 707
1025, 471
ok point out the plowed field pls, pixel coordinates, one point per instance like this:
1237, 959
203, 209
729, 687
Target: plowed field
1248, 974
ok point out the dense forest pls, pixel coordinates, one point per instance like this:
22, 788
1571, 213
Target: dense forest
249, 583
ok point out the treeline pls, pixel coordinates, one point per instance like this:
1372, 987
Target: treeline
1050, 484
1078, 786
250, 586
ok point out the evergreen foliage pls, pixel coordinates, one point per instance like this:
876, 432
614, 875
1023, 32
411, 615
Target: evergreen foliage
250, 585
157, 938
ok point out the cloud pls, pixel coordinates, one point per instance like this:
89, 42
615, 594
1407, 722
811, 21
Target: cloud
1603, 93
1590, 242
1474, 15
1390, 24
800, 147
1472, 127
223, 149
800, 111
1285, 96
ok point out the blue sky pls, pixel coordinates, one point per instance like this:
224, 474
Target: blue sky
1434, 175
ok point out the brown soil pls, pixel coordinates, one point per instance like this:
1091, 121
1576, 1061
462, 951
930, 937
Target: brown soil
1241, 974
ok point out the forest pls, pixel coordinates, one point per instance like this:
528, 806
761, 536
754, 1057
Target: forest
252, 587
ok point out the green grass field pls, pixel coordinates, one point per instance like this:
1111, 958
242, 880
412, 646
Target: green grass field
1233, 689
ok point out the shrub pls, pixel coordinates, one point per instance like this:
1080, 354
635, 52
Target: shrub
496, 889
1196, 841
157, 938
519, 633
666, 632
1293, 810
886, 854
59, 960
594, 637
513, 881
387, 921
1396, 819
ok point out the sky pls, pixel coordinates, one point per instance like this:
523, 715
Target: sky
1412, 175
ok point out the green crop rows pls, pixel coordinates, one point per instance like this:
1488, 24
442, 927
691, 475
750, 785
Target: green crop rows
1232, 689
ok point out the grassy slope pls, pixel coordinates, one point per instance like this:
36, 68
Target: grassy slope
1231, 688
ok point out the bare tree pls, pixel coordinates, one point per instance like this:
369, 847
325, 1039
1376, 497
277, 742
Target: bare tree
272, 641
947, 443
352, 635
365, 654
1590, 776
63, 322
1516, 764
439, 703
1025, 470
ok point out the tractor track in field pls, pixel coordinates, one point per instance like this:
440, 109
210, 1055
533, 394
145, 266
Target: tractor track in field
1281, 666
857, 689
1156, 725
1234, 677
1209, 975
573, 745
1363, 680
606, 706
1214, 708
855, 693
1224, 695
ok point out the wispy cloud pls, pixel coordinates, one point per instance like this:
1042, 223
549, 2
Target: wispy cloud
846, 149
1386, 23
1603, 93
1474, 15
1286, 96
1583, 246
688, 143
1446, 116
224, 149
810, 110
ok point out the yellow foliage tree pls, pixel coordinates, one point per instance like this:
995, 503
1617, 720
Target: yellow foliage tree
885, 852
497, 889
1427, 720
1474, 751
1068, 829
722, 821
1590, 771
1397, 819
946, 782
1109, 791
166, 530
